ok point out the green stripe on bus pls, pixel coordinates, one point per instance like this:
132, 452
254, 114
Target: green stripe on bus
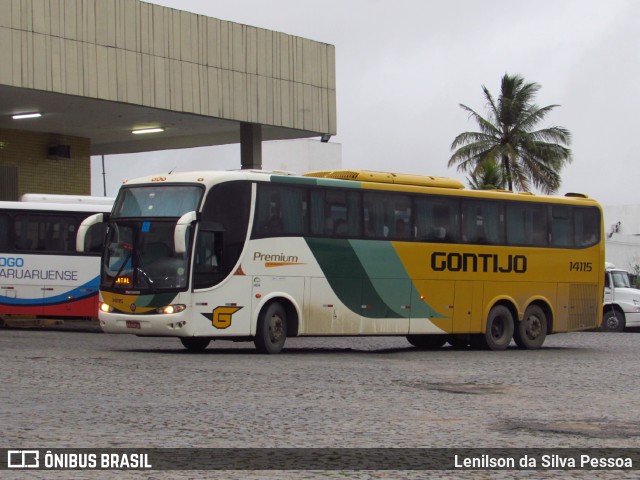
314, 181
391, 280
369, 278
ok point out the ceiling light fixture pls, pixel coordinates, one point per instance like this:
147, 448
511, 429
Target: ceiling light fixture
147, 130
20, 116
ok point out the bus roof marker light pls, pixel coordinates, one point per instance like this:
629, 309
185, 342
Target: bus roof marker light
147, 130
22, 116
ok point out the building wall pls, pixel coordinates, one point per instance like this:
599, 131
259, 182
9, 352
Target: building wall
301, 156
135, 52
622, 234
37, 173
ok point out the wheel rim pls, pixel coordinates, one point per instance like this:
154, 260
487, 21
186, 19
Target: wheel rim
498, 328
612, 322
533, 327
276, 328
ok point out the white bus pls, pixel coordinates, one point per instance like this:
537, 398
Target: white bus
41, 272
254, 255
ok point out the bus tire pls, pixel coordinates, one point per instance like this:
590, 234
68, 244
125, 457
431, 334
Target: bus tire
427, 342
272, 329
195, 344
499, 330
531, 332
612, 321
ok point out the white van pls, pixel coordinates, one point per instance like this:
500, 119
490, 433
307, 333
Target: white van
621, 302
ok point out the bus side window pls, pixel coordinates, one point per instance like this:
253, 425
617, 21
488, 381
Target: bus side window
335, 213
206, 264
280, 210
26, 228
382, 212
442, 228
222, 233
482, 222
4, 232
402, 218
436, 219
561, 226
375, 224
273, 224
587, 226
61, 234
527, 224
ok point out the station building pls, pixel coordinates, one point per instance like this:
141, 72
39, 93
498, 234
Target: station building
85, 77
622, 236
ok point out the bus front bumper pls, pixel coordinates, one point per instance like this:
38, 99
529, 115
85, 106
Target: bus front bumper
175, 325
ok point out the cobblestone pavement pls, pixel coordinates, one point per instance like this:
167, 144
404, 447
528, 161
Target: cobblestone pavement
87, 390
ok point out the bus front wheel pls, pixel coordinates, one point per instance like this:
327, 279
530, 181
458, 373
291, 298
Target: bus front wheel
532, 330
195, 344
499, 330
272, 329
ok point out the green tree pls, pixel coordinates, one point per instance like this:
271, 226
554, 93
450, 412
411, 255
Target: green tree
508, 137
487, 177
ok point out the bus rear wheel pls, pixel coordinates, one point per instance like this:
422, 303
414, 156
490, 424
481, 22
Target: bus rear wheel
499, 331
531, 332
272, 329
195, 344
427, 342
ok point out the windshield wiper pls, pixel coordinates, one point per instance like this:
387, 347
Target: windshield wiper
120, 270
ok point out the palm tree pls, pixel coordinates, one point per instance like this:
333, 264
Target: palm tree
487, 177
508, 137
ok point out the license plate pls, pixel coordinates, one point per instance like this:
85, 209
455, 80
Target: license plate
133, 324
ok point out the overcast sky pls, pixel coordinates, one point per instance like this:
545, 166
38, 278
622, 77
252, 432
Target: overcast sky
404, 66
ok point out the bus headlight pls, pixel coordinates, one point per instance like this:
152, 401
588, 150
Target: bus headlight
105, 307
169, 309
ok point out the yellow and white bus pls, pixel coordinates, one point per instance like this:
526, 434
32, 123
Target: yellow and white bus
262, 256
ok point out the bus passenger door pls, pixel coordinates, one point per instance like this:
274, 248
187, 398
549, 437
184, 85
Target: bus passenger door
432, 306
467, 307
223, 311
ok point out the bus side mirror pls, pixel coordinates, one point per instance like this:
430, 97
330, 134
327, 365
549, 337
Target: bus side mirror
180, 233
84, 228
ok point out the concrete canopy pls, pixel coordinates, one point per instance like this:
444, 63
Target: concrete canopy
99, 69
108, 125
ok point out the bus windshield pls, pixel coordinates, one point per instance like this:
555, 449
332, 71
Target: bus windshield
140, 255
140, 252
157, 201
